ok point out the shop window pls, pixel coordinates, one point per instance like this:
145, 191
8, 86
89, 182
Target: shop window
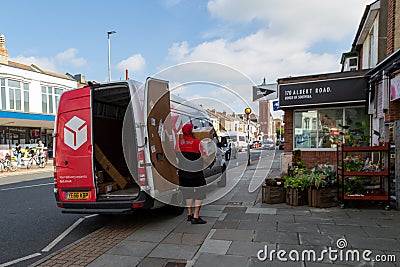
326, 125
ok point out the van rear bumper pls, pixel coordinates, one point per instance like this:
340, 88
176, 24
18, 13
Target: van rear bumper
144, 201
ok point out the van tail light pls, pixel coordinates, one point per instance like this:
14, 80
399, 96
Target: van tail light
55, 172
142, 176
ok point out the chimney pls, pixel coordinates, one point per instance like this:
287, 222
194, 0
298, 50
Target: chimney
3, 50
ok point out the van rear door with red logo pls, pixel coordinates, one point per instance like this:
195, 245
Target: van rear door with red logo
73, 148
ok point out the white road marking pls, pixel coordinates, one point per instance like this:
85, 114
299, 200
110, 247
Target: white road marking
65, 233
26, 186
20, 259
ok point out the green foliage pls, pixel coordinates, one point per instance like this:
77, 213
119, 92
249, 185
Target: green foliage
353, 163
322, 175
299, 182
353, 186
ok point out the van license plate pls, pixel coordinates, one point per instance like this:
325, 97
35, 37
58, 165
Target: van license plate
77, 195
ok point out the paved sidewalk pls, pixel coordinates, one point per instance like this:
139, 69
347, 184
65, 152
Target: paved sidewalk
242, 231
24, 174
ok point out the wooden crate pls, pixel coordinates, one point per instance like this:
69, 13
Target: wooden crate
273, 194
323, 197
296, 197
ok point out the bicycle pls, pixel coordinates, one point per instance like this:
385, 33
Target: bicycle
35, 159
6, 164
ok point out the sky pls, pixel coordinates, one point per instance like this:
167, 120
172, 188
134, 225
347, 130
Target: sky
212, 52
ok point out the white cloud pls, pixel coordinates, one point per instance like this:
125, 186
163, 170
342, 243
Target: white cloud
281, 46
302, 18
64, 60
133, 63
69, 57
43, 63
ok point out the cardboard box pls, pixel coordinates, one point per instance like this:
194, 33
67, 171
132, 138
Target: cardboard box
105, 188
203, 132
100, 177
108, 167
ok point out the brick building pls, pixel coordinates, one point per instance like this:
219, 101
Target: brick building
374, 55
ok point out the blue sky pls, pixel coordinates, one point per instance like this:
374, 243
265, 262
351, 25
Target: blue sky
270, 38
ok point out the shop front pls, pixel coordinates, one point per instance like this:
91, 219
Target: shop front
25, 129
318, 109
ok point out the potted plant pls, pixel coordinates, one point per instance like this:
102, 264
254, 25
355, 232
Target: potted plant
347, 135
296, 190
353, 163
362, 131
273, 191
323, 190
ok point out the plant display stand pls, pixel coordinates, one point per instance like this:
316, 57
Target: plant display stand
363, 173
295, 197
273, 194
323, 197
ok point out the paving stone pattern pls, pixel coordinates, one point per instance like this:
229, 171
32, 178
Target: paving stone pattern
239, 227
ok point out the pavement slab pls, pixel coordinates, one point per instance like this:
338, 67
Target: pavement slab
207, 260
185, 238
107, 260
132, 248
249, 249
148, 235
215, 246
173, 251
233, 234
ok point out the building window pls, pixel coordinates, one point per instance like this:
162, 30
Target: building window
57, 95
14, 93
50, 99
26, 97
3, 93
328, 125
44, 100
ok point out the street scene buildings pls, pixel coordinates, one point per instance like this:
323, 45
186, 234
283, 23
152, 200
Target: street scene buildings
321, 187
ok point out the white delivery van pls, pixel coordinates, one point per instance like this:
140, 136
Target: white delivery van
114, 147
238, 138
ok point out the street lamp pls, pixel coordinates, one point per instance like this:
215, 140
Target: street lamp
247, 111
108, 38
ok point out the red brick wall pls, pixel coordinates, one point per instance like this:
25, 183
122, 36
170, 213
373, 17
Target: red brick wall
394, 111
390, 27
288, 130
318, 157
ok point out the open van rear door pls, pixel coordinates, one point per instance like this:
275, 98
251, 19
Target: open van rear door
73, 147
160, 135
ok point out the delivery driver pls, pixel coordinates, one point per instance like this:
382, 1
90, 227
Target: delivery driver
190, 173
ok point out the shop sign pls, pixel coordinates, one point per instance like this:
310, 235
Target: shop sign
395, 88
322, 92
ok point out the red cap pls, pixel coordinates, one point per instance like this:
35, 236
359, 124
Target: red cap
187, 128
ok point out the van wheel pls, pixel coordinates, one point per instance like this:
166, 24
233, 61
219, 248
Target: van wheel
222, 182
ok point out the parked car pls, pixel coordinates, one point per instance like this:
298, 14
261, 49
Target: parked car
230, 151
254, 144
268, 144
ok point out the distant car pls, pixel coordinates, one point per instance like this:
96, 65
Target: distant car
254, 144
268, 144
230, 151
